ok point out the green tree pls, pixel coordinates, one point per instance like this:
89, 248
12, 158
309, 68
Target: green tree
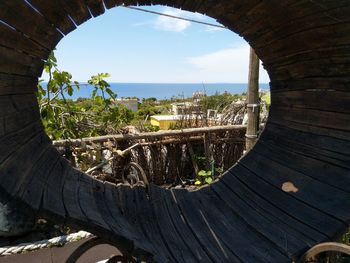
64, 118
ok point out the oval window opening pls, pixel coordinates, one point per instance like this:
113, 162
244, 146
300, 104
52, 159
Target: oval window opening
153, 95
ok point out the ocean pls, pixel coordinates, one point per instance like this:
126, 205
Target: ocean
166, 90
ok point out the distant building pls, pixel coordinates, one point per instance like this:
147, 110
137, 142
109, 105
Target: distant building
164, 122
185, 108
198, 96
131, 104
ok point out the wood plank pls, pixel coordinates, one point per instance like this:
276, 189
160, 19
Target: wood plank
185, 132
25, 19
278, 231
309, 128
327, 149
323, 197
192, 6
96, 7
290, 204
329, 55
71, 198
29, 156
135, 2
14, 142
55, 14
174, 241
53, 191
124, 198
87, 201
331, 35
234, 231
315, 18
326, 145
308, 66
119, 230
145, 217
183, 229
215, 9
12, 84
253, 18
10, 142
325, 172
15, 103
16, 121
311, 84
326, 100
15, 40
34, 183
140, 243
259, 203
77, 10
274, 13
108, 205
322, 119
307, 15
219, 252
14, 62
15, 151
110, 3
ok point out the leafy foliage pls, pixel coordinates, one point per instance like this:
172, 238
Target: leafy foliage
152, 106
218, 101
207, 174
204, 177
266, 97
64, 118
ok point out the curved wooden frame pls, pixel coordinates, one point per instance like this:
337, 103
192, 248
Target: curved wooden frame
95, 241
245, 215
313, 252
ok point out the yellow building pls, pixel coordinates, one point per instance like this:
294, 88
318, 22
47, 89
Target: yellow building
164, 121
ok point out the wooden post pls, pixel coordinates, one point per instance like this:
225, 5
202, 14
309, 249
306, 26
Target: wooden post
253, 105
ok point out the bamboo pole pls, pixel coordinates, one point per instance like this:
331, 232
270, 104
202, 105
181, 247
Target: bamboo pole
148, 135
253, 105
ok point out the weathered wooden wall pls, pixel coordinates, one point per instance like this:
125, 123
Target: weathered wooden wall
305, 47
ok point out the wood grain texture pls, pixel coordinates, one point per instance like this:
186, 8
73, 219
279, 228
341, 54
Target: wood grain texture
96, 7
261, 220
286, 195
19, 15
14, 62
77, 10
14, 84
13, 39
214, 210
218, 250
57, 16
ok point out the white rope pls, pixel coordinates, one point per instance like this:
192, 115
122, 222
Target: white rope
249, 136
53, 242
253, 106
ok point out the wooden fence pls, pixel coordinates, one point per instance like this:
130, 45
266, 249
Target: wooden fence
167, 157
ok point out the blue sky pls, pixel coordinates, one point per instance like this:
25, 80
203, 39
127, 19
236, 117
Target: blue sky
139, 47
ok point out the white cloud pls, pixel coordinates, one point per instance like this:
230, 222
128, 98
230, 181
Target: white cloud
171, 24
227, 65
165, 23
176, 25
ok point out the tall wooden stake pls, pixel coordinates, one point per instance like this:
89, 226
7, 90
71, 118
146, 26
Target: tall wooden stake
253, 105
